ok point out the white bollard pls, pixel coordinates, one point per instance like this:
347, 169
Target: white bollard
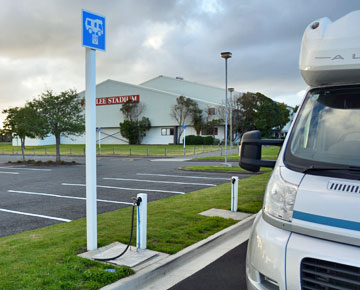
141, 222
234, 193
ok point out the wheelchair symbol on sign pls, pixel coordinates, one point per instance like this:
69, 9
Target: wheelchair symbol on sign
94, 27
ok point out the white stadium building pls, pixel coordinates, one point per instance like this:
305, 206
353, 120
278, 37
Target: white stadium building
158, 96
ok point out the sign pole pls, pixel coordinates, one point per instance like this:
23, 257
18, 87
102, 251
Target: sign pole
90, 127
184, 137
99, 140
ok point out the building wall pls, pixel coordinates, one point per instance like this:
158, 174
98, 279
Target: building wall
158, 104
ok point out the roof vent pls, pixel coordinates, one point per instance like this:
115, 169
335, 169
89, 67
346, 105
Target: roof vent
180, 78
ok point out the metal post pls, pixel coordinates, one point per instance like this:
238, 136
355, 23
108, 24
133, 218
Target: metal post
234, 193
226, 111
147, 151
194, 150
203, 149
184, 152
45, 151
90, 124
231, 134
99, 141
70, 150
130, 152
141, 222
113, 150
226, 55
184, 138
165, 152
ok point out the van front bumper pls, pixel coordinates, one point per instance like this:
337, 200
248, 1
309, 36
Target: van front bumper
274, 257
265, 261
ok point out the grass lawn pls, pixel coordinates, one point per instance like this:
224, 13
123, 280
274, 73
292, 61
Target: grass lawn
46, 258
109, 149
268, 152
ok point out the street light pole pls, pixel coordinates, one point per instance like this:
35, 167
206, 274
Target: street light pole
226, 55
231, 101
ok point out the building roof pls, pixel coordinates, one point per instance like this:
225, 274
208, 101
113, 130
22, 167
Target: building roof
193, 90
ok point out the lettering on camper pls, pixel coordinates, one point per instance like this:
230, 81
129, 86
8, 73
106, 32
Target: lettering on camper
118, 100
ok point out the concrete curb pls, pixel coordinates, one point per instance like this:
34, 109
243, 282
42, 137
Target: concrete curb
161, 268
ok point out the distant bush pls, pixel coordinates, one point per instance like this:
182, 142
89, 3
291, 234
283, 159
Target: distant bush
199, 140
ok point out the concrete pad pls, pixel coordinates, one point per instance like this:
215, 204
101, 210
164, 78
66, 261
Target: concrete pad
226, 214
133, 257
225, 164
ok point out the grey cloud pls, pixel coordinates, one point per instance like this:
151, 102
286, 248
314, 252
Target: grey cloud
44, 37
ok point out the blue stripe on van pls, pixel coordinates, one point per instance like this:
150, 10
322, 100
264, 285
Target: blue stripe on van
323, 220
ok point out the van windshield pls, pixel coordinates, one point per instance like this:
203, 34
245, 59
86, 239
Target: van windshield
327, 130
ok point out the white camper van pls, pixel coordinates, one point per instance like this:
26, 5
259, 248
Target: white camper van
307, 235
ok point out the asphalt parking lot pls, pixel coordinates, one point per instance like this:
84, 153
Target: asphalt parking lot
39, 196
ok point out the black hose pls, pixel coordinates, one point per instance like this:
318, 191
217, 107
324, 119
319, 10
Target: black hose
128, 245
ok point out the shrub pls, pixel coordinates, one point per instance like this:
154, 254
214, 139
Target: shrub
199, 140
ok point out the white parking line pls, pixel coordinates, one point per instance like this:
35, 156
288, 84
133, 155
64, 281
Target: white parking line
184, 176
65, 196
4, 172
171, 159
35, 215
23, 168
155, 181
126, 188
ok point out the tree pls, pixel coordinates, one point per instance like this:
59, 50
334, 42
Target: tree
132, 128
232, 113
135, 131
63, 115
132, 110
23, 122
258, 112
196, 118
209, 128
184, 109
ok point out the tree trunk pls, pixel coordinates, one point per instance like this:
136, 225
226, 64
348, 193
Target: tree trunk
180, 132
57, 136
22, 140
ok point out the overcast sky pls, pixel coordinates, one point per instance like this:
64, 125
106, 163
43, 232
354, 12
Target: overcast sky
40, 46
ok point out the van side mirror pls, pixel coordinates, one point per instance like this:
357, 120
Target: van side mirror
250, 151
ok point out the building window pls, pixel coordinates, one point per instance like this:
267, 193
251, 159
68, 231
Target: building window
211, 111
167, 131
209, 132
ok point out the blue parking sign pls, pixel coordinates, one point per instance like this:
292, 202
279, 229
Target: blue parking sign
93, 30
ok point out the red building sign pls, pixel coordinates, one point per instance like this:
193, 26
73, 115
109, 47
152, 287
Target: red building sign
117, 100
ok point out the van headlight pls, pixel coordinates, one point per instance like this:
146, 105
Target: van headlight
279, 197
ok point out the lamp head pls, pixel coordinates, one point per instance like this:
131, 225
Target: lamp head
226, 54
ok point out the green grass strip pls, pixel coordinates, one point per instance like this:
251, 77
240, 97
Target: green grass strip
221, 169
46, 258
268, 152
